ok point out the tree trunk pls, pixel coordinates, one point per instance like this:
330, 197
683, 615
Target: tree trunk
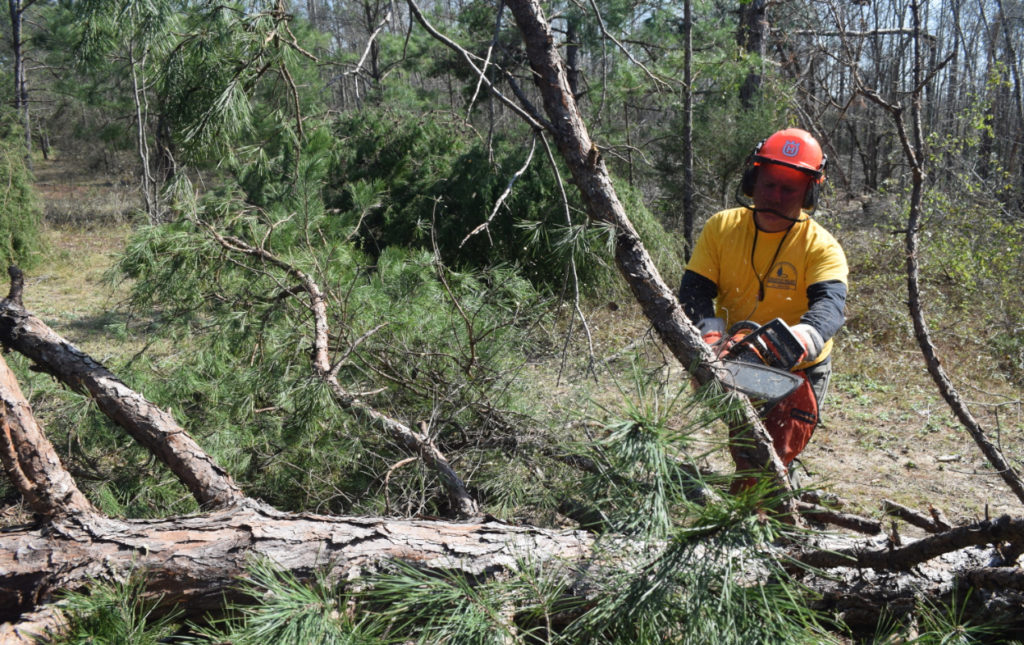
688, 183
751, 34
191, 562
17, 9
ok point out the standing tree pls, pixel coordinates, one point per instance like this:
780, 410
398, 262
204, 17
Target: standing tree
16, 12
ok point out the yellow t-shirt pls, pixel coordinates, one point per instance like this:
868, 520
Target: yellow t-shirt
784, 264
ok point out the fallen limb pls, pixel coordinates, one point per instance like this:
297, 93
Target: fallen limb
935, 523
152, 427
904, 558
29, 459
848, 521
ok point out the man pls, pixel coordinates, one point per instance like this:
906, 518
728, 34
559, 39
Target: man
768, 259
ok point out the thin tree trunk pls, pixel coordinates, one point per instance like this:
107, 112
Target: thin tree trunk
150, 194
938, 373
914, 152
751, 34
688, 186
17, 9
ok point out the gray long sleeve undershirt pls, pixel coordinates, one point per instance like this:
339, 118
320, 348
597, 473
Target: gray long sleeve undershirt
826, 310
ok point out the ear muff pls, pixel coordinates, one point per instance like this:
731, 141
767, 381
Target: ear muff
749, 177
811, 196
748, 180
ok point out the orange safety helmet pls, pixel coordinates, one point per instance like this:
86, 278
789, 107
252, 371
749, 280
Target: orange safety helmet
792, 148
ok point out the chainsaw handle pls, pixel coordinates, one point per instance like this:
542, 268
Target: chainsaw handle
773, 343
743, 325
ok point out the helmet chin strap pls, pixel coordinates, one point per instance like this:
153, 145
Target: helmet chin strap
777, 214
746, 202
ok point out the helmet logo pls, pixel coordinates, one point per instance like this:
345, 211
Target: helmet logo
791, 149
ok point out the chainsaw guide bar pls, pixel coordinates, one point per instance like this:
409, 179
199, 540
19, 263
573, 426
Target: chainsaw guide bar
763, 384
758, 363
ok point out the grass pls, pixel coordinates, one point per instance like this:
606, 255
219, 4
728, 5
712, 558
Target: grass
72, 197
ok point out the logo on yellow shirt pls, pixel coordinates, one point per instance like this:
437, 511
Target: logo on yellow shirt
783, 276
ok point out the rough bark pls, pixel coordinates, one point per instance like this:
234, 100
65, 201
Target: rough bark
191, 562
152, 427
957, 569
29, 458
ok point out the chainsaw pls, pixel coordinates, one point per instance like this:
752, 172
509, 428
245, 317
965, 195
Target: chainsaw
759, 360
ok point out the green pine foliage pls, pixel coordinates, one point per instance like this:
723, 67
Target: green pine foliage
448, 351
116, 614
21, 213
436, 181
286, 611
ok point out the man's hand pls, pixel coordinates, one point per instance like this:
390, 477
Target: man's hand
810, 339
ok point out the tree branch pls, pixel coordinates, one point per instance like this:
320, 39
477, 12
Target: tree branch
913, 149
466, 56
29, 459
152, 427
418, 443
904, 558
591, 177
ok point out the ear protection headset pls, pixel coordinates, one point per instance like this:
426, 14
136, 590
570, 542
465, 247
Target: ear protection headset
793, 148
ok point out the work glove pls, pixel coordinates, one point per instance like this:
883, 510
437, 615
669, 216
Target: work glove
810, 339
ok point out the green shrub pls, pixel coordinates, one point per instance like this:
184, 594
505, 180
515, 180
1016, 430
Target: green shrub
448, 351
437, 183
20, 208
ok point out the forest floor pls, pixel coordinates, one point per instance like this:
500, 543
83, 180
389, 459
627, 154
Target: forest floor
886, 433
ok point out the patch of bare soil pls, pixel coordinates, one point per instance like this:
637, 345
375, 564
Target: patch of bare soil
899, 441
